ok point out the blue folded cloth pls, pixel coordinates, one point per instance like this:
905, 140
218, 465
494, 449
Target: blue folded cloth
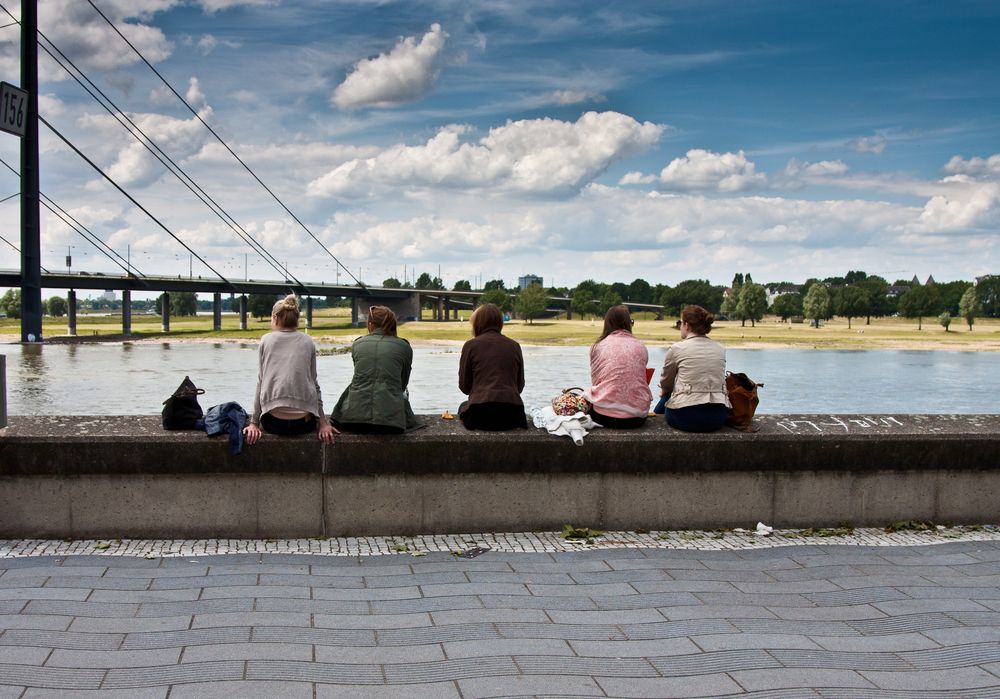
227, 418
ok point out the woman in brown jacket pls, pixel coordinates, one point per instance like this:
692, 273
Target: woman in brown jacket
491, 373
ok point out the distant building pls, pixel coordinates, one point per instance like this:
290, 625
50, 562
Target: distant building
527, 280
930, 280
914, 281
109, 295
897, 290
776, 290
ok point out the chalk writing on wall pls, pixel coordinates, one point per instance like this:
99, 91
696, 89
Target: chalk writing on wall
832, 422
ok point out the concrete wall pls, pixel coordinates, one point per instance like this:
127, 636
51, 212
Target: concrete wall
125, 477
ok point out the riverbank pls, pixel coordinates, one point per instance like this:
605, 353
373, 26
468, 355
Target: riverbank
333, 327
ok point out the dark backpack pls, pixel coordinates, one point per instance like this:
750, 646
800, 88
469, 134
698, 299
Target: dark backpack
181, 410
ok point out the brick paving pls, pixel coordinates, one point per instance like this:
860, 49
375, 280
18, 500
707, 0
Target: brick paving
761, 620
510, 542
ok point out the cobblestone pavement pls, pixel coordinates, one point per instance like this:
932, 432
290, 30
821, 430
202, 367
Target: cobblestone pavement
909, 534
794, 621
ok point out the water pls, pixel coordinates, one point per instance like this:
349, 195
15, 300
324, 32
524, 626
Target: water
118, 379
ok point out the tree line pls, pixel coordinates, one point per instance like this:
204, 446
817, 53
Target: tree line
858, 295
855, 295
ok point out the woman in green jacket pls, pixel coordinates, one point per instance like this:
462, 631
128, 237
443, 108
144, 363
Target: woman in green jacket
377, 400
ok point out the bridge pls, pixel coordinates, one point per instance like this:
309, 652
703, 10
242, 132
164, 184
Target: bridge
405, 303
32, 278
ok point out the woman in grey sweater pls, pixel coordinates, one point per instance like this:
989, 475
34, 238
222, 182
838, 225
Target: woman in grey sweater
288, 400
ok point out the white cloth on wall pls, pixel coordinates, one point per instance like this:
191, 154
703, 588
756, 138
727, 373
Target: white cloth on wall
574, 426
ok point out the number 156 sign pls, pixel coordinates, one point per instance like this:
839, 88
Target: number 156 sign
13, 109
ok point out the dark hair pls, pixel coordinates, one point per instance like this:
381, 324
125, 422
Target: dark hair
617, 318
698, 319
486, 317
382, 318
286, 312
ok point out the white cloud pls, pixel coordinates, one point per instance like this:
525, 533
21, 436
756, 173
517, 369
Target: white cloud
91, 43
404, 74
220, 5
976, 167
131, 163
826, 168
564, 97
634, 177
82, 34
528, 156
968, 206
50, 106
285, 164
206, 44
704, 170
194, 96
868, 144
823, 168
431, 237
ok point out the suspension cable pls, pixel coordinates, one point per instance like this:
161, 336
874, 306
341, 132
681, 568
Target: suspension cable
173, 167
224, 144
131, 198
78, 227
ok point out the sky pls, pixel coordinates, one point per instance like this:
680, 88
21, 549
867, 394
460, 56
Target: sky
663, 140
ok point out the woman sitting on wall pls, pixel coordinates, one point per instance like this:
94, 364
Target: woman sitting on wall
288, 400
377, 400
619, 394
693, 382
491, 373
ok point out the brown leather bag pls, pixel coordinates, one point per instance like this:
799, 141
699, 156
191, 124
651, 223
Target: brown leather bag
742, 392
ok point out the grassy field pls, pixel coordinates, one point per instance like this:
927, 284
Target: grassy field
334, 325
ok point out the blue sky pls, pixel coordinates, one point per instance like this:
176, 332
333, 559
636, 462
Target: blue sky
662, 140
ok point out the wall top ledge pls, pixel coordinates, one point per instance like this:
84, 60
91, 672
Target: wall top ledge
137, 445
143, 428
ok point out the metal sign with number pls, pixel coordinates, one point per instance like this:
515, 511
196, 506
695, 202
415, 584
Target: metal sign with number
13, 109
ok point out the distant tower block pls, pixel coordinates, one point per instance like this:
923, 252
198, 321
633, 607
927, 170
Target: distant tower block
527, 280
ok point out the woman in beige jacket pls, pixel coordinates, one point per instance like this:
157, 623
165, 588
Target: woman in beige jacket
693, 381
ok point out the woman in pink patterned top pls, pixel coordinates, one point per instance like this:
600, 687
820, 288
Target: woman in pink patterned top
620, 394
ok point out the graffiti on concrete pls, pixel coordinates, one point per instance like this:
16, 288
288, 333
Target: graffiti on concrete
839, 424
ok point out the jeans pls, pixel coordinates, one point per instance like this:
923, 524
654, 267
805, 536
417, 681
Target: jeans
706, 417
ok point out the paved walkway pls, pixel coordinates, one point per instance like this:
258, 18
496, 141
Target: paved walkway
805, 621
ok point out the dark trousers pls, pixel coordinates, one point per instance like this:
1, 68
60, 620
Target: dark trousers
492, 417
617, 423
287, 428
706, 417
367, 428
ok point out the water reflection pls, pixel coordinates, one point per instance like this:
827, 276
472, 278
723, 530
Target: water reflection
134, 378
32, 374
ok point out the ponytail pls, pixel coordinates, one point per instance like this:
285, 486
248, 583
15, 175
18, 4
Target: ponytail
382, 318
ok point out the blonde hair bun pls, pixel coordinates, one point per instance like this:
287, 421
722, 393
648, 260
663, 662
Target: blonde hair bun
286, 311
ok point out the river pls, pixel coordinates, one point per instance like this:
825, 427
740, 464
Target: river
134, 378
